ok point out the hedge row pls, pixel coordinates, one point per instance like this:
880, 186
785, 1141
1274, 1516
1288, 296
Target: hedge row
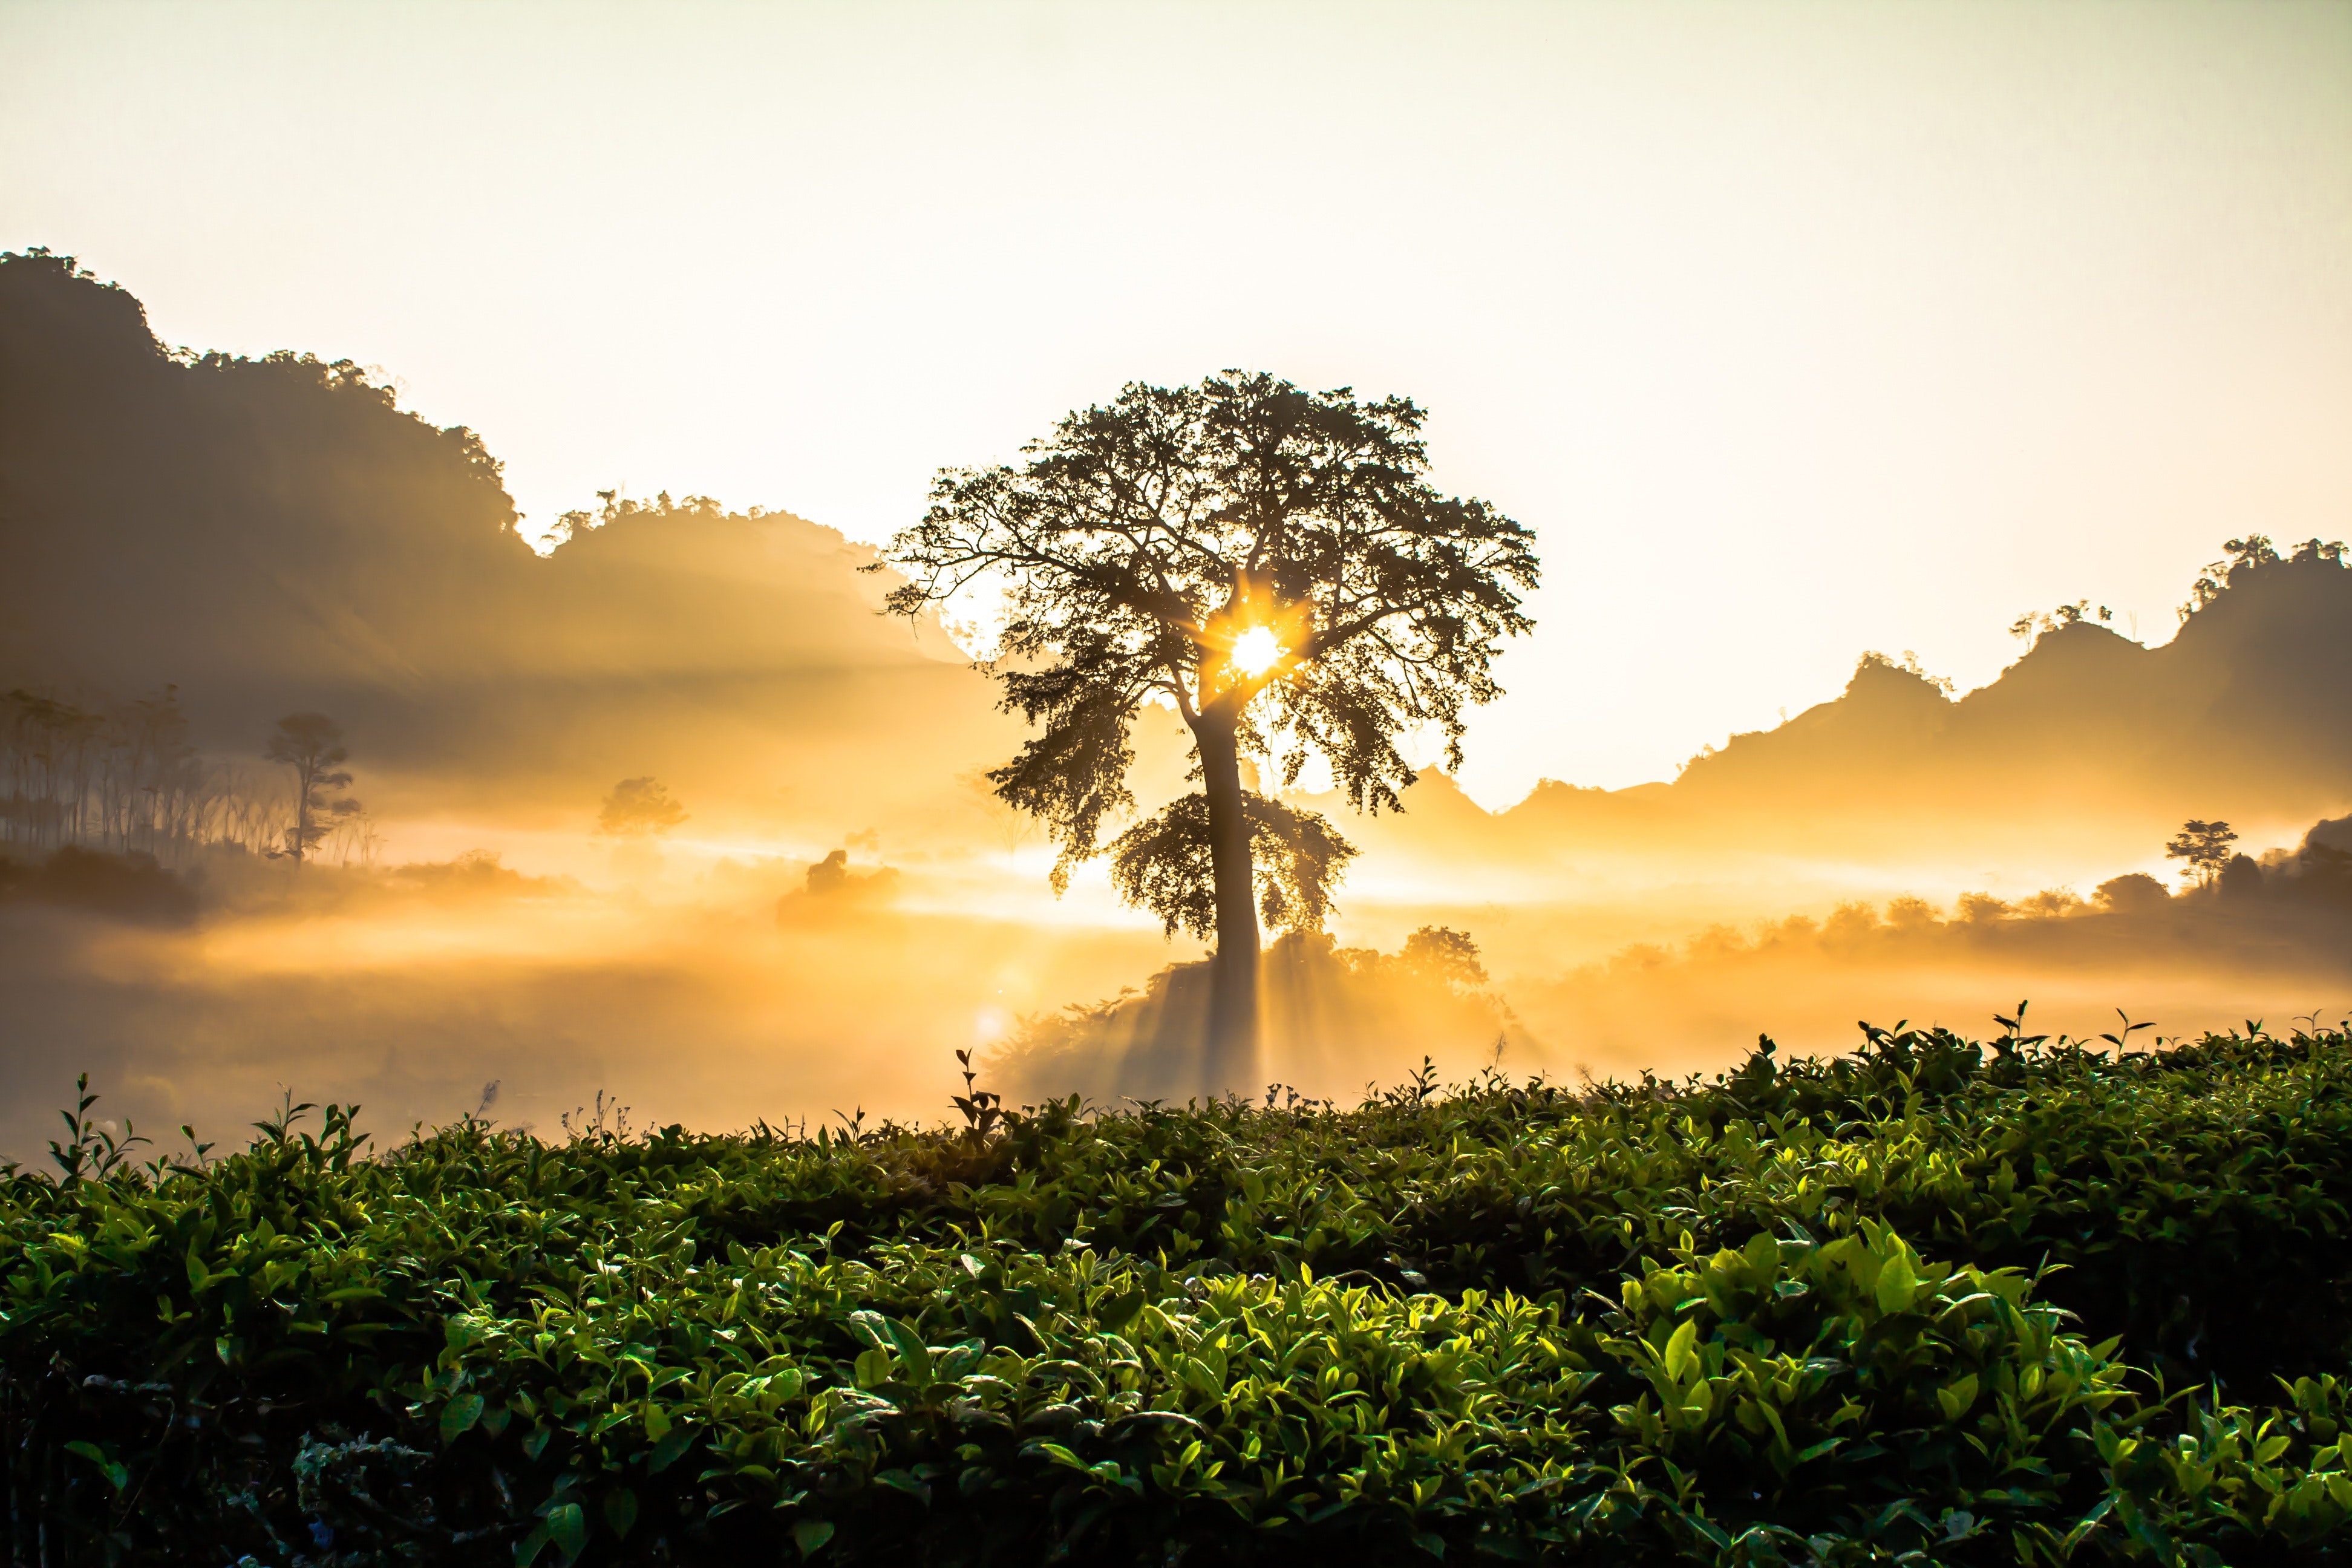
1935, 1302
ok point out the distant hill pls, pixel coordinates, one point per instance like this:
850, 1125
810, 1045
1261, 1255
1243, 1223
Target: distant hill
276, 534
2256, 685
2089, 739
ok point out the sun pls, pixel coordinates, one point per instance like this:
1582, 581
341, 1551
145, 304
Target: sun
1254, 651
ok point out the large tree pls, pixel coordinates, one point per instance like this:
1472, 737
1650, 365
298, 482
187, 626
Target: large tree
1271, 564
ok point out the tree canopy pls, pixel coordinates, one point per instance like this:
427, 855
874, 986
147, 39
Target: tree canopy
637, 808
2205, 845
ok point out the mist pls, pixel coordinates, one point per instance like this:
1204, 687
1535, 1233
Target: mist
669, 811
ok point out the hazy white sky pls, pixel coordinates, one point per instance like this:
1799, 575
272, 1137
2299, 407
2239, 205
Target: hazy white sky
1793, 329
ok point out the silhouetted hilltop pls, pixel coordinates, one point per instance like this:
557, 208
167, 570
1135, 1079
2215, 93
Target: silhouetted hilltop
275, 535
211, 520
2089, 739
2257, 684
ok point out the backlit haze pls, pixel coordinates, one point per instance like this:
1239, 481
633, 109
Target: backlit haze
1793, 332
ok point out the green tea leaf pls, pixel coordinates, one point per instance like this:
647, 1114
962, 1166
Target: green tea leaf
117, 1475
1898, 1287
666, 1452
874, 1367
1682, 1354
914, 1356
567, 1529
458, 1417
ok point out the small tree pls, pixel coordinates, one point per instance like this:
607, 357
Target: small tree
2240, 556
1270, 564
313, 745
638, 808
1445, 954
2032, 624
2205, 845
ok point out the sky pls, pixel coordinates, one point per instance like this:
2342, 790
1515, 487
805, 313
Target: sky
1792, 329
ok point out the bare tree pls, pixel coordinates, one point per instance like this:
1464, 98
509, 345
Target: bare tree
1269, 563
123, 776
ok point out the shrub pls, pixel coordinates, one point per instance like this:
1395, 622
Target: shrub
1936, 1302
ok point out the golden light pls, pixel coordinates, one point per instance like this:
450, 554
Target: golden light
1254, 651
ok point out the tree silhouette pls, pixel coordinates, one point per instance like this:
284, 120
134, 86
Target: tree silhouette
2245, 555
313, 745
1445, 954
638, 808
1204, 548
2205, 845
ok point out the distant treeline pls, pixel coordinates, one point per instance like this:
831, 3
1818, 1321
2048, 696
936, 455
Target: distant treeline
125, 778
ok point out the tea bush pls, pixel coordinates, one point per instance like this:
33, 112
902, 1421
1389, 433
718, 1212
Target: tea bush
1937, 1302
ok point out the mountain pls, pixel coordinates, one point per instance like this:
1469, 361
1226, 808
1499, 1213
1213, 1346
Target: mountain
276, 534
2090, 743
2255, 690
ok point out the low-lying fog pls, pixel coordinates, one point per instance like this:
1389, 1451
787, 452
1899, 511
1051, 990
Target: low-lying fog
715, 988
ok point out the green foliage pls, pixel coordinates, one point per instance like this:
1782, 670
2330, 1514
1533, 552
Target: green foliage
1933, 1303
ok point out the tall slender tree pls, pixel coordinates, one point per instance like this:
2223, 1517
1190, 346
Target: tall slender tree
313, 745
1271, 564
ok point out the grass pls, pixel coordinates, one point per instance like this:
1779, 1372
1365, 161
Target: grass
1939, 1301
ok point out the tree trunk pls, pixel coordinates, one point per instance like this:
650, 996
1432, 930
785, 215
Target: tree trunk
301, 815
1230, 1059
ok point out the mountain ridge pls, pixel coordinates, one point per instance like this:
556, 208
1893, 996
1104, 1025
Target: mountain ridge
2246, 712
276, 534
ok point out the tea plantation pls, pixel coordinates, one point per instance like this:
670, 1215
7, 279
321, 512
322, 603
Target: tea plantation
1938, 1302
